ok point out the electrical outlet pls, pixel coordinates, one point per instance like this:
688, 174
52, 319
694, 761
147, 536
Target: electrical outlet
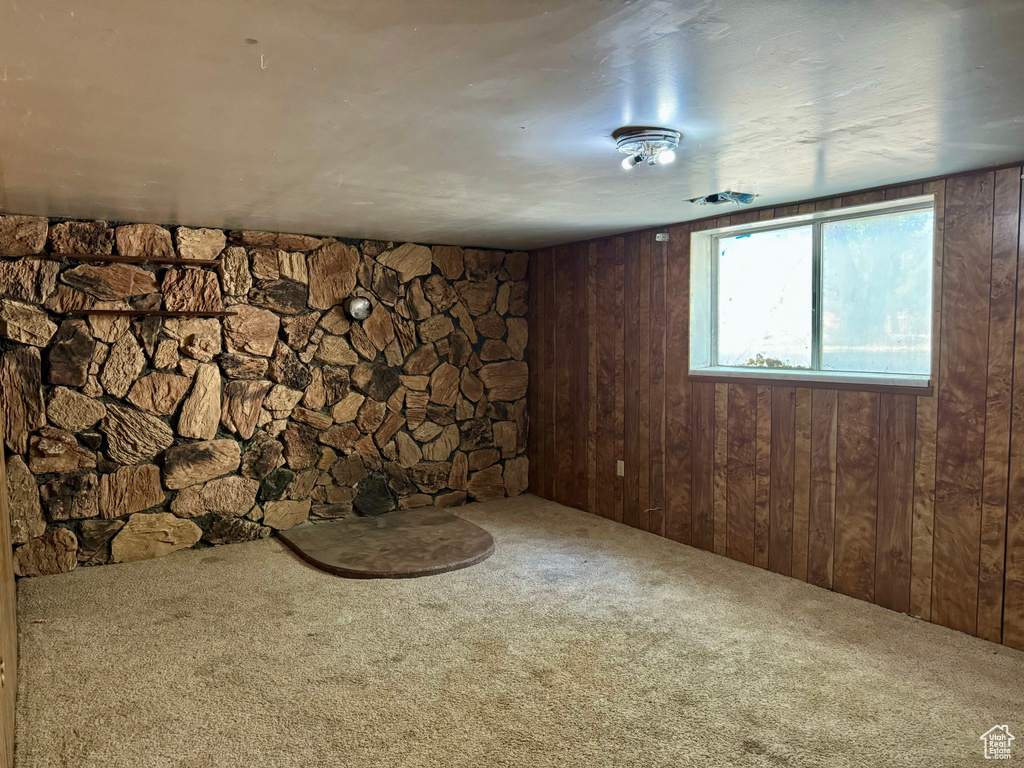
620, 468
661, 237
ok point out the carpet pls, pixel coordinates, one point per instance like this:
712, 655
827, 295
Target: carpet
579, 643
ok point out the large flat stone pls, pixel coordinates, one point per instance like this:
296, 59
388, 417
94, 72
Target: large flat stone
111, 282
195, 463
147, 536
130, 489
332, 274
21, 396
22, 235
54, 552
134, 437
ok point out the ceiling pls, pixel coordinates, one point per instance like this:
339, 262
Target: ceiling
488, 122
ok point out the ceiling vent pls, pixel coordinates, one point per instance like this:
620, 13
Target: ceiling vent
740, 198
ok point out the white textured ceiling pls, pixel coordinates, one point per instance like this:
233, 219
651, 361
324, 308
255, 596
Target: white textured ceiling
488, 122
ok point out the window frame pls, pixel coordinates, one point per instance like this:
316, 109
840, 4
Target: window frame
704, 250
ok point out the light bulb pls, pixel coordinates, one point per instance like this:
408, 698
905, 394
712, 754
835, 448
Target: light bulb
666, 157
630, 161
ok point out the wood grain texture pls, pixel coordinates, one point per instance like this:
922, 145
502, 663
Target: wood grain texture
742, 439
590, 486
762, 475
1013, 594
896, 420
960, 448
657, 390
631, 382
580, 379
926, 436
644, 386
913, 499
703, 442
8, 626
999, 391
677, 386
721, 488
783, 473
620, 329
853, 570
564, 361
802, 483
822, 503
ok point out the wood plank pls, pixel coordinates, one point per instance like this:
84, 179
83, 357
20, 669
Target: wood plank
703, 447
1013, 596
863, 198
532, 357
741, 477
657, 378
853, 570
620, 327
644, 386
721, 467
822, 503
631, 352
580, 377
999, 390
959, 466
783, 473
605, 323
592, 322
546, 407
801, 482
924, 444
896, 419
762, 475
565, 345
677, 386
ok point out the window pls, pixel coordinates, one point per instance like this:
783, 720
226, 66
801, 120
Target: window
842, 295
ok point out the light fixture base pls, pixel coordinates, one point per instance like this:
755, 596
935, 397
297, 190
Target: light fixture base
642, 144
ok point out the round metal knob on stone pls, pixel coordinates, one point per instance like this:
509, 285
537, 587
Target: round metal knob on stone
357, 307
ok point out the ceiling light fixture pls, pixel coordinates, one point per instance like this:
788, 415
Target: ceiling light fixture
654, 145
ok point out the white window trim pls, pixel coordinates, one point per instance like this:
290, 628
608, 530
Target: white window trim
702, 289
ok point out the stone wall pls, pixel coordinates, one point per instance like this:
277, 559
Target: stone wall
131, 437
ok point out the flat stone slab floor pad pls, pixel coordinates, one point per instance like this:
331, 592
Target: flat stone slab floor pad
398, 545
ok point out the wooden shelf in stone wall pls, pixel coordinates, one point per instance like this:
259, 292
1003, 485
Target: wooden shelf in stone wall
147, 313
115, 259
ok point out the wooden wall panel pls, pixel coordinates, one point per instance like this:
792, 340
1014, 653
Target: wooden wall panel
960, 448
853, 568
821, 523
912, 500
742, 415
783, 474
677, 386
896, 422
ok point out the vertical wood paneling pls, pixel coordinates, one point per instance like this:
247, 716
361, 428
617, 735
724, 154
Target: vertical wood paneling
721, 466
783, 473
703, 437
915, 502
580, 380
1013, 594
853, 569
995, 476
822, 504
762, 475
896, 420
604, 321
677, 386
802, 483
565, 357
657, 384
925, 441
742, 454
959, 465
644, 387
620, 397
631, 353
590, 486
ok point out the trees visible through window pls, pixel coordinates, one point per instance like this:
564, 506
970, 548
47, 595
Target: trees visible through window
845, 293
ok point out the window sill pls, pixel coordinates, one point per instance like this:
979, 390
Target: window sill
919, 386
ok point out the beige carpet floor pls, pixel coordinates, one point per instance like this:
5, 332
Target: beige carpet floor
579, 643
